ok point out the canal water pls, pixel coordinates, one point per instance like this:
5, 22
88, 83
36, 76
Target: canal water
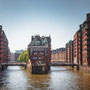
59, 78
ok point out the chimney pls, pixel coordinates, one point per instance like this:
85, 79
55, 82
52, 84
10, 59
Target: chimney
32, 38
80, 26
0, 27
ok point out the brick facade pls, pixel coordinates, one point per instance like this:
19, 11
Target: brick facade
82, 43
4, 50
40, 50
69, 52
86, 41
58, 55
78, 50
78, 47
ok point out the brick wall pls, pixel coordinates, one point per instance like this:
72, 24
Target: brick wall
58, 55
4, 50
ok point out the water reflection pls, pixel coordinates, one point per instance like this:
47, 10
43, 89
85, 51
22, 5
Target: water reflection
39, 81
3, 77
59, 78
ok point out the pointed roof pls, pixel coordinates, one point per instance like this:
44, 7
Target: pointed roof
45, 41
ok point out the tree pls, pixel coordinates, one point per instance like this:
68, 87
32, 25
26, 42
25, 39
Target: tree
23, 57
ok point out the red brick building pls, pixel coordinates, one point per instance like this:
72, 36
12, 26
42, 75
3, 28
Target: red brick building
78, 50
77, 47
39, 51
86, 41
58, 55
4, 50
82, 43
69, 52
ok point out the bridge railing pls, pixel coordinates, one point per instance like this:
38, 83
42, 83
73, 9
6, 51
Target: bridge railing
13, 64
65, 64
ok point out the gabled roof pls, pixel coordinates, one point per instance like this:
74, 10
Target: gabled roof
39, 41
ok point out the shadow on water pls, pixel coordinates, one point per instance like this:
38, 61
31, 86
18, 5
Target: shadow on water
3, 77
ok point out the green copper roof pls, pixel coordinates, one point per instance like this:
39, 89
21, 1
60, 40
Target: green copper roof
38, 42
45, 41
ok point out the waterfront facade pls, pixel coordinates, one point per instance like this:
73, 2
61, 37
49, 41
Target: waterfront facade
77, 47
86, 41
82, 43
4, 50
69, 52
78, 50
58, 55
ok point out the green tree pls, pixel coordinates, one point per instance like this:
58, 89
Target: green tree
23, 57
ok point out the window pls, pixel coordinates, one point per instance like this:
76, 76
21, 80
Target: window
35, 53
41, 53
34, 57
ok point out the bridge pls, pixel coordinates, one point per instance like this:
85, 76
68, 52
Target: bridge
51, 64
13, 64
64, 64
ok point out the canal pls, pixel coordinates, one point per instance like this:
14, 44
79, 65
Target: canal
59, 78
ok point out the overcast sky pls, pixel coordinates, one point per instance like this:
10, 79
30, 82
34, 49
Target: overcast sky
58, 18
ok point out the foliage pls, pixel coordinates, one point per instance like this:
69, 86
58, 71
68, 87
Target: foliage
23, 57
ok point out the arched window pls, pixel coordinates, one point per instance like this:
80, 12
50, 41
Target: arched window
41, 53
35, 53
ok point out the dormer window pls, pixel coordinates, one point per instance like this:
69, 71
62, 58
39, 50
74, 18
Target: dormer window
0, 27
89, 15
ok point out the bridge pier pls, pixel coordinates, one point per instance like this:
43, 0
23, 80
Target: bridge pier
40, 69
66, 64
73, 66
25, 66
77, 67
3, 67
